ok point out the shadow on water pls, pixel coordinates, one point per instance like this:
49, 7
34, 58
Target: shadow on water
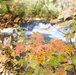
46, 38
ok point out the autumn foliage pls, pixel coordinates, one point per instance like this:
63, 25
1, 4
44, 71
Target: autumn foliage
8, 20
54, 57
57, 45
19, 48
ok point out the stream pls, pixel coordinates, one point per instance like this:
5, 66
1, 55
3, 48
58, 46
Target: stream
48, 30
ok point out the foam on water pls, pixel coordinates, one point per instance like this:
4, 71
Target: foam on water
7, 30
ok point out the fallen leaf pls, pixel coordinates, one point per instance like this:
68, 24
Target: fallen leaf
7, 41
3, 58
65, 14
54, 20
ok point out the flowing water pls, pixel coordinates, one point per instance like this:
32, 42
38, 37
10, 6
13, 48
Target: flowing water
44, 27
48, 30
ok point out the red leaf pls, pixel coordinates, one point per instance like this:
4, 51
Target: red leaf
45, 47
19, 48
36, 37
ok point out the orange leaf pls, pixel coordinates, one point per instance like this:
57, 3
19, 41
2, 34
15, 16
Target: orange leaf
57, 45
54, 20
41, 52
60, 71
14, 7
75, 73
7, 16
36, 37
46, 48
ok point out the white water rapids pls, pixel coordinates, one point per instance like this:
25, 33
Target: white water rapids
45, 28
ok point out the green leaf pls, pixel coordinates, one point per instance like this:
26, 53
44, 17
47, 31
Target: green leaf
33, 63
38, 71
68, 67
72, 35
21, 62
29, 71
21, 39
53, 52
54, 61
74, 59
64, 24
73, 22
63, 57
68, 36
73, 29
75, 44
55, 74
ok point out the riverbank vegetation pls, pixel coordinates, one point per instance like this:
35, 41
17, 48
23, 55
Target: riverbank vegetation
34, 8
